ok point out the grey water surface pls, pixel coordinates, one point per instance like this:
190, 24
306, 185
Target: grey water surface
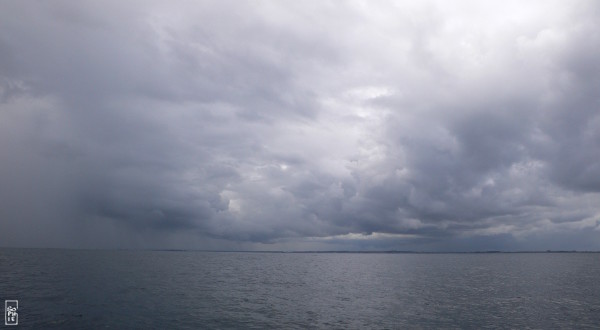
65, 289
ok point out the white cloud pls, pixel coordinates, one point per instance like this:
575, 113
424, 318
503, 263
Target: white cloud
281, 124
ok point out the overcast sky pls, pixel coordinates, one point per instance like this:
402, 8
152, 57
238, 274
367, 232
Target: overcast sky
308, 125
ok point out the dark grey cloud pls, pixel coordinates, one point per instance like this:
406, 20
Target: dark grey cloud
300, 126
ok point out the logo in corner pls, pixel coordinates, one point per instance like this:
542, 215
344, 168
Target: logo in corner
11, 317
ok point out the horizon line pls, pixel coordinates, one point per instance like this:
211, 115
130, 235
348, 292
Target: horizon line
308, 251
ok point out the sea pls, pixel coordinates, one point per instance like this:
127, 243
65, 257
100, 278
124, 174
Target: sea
98, 289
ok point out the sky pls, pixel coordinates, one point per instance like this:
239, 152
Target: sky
300, 125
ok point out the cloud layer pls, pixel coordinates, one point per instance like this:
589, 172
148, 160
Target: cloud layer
272, 125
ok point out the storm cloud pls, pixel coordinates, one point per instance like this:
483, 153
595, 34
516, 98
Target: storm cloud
312, 125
